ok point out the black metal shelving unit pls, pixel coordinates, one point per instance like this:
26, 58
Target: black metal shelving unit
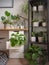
31, 4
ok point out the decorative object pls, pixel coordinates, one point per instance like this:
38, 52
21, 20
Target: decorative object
35, 22
33, 38
6, 3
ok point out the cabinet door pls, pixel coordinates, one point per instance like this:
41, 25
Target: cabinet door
4, 36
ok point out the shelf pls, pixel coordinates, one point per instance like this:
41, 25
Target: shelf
39, 43
39, 27
25, 29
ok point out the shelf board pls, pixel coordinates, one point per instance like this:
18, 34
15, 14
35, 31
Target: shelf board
25, 29
39, 27
39, 43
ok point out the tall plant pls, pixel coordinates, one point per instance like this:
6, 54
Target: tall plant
25, 8
35, 54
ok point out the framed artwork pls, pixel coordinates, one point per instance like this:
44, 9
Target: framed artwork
6, 3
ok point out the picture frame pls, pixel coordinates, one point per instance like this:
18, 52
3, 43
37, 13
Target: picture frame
6, 3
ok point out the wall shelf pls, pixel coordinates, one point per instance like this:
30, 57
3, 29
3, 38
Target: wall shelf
25, 29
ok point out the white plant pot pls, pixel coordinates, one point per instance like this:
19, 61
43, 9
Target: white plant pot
36, 24
8, 26
40, 8
34, 8
33, 39
22, 27
40, 39
44, 24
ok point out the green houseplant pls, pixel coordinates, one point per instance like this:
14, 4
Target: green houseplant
17, 39
40, 36
35, 55
25, 8
35, 22
9, 19
43, 22
6, 19
33, 38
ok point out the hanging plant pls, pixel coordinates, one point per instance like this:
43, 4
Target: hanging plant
25, 8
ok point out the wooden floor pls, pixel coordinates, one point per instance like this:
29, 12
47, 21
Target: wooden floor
17, 62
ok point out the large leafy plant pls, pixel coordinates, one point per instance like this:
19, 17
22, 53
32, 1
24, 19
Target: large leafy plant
17, 39
7, 19
35, 54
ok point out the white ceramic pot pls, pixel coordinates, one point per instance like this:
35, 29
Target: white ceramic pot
36, 24
34, 8
40, 39
33, 39
40, 8
22, 27
44, 24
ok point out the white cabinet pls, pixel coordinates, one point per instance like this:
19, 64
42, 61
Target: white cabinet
15, 52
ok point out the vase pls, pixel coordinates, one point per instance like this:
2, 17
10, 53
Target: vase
4, 26
33, 39
40, 8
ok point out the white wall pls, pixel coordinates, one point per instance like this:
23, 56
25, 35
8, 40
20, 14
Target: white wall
15, 10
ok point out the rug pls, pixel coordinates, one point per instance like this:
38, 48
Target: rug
3, 58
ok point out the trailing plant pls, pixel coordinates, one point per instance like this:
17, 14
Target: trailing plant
17, 39
34, 55
35, 20
25, 8
14, 17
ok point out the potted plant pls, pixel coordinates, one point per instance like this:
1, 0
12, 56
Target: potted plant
25, 8
17, 39
40, 36
44, 22
15, 20
6, 19
35, 22
35, 55
33, 38
34, 8
40, 6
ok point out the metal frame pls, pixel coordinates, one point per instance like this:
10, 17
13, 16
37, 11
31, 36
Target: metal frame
29, 27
